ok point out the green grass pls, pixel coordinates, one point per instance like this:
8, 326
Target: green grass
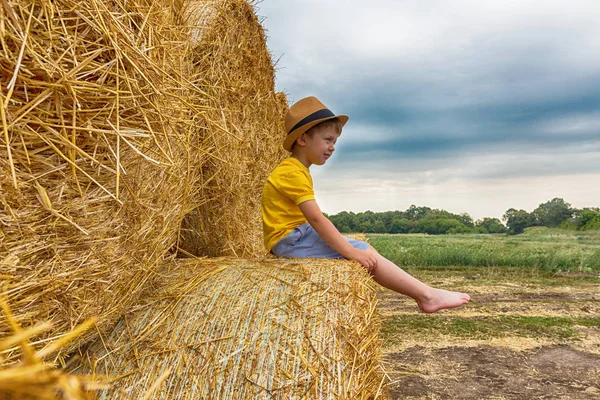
525, 277
397, 328
543, 248
517, 266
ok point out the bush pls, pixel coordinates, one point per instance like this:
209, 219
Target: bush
591, 225
588, 220
593, 261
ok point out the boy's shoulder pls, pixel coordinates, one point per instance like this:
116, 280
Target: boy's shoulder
290, 169
288, 166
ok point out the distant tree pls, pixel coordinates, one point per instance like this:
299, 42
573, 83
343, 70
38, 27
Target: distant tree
460, 229
416, 213
435, 213
491, 225
400, 225
588, 219
387, 218
449, 225
424, 226
553, 212
362, 217
343, 221
379, 227
518, 220
366, 227
465, 219
344, 228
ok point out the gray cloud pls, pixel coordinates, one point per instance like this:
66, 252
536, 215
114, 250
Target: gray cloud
505, 162
462, 90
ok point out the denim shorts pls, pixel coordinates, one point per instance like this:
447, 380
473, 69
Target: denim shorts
305, 242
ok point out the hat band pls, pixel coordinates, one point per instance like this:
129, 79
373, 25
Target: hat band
325, 113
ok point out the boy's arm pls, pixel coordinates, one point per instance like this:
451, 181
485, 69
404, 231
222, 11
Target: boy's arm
333, 237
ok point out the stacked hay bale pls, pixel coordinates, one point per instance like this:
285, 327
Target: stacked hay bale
33, 377
244, 125
119, 118
254, 329
96, 133
109, 138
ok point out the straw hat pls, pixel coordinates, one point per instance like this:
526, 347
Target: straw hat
305, 114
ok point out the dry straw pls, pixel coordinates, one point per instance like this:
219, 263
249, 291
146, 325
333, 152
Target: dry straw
244, 124
96, 156
248, 329
34, 378
110, 137
119, 118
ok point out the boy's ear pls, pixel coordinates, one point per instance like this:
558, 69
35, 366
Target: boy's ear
301, 140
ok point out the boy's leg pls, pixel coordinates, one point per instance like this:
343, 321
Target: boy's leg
429, 299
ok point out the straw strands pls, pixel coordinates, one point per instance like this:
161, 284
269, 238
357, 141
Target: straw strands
248, 329
110, 137
96, 160
33, 378
121, 119
244, 128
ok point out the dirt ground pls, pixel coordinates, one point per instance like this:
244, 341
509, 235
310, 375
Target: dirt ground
489, 372
516, 364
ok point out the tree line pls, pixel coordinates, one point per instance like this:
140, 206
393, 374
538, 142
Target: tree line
554, 213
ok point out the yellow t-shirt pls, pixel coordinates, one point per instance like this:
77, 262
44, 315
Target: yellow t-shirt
289, 185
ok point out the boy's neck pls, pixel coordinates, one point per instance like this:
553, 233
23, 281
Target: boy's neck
302, 158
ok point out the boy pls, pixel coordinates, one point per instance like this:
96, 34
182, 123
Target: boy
294, 225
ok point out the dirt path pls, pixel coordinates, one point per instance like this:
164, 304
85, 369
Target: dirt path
523, 337
486, 372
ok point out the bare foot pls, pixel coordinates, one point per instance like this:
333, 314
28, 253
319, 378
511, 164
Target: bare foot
439, 299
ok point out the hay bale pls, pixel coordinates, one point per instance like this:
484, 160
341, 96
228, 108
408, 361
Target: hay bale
94, 134
248, 329
82, 106
33, 377
245, 125
119, 118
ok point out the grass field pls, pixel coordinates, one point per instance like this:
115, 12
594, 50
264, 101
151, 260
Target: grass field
531, 331
549, 249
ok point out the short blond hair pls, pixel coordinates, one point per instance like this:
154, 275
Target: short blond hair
326, 124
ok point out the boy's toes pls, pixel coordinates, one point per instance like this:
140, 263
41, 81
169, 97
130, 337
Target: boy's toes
441, 299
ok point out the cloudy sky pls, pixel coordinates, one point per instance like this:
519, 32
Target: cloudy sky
469, 106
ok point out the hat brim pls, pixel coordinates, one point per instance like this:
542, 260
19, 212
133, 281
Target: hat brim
295, 134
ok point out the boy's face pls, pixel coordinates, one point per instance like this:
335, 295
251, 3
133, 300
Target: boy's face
320, 145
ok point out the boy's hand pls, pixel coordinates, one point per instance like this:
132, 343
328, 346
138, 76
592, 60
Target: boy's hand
366, 258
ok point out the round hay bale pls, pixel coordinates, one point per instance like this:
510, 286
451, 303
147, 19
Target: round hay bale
244, 125
32, 377
120, 117
228, 328
98, 160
